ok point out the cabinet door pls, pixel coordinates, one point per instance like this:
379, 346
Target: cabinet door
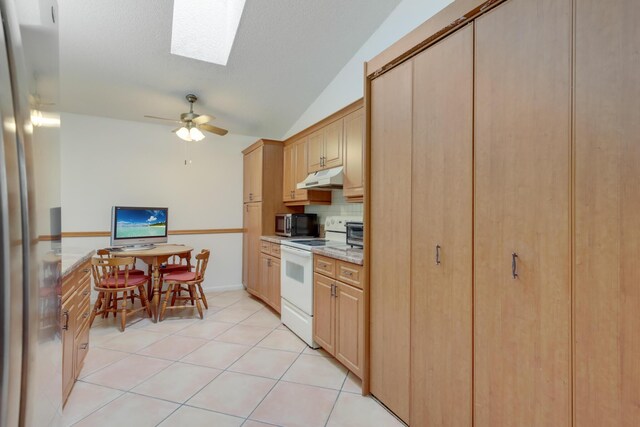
354, 154
253, 216
391, 112
323, 313
522, 206
315, 151
256, 175
607, 219
288, 184
350, 327
247, 176
275, 284
68, 346
442, 219
265, 278
333, 147
300, 167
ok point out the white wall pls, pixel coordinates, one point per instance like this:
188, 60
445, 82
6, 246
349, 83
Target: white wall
348, 85
108, 162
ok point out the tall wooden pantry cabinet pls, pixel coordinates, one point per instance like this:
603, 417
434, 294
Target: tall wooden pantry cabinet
504, 149
262, 201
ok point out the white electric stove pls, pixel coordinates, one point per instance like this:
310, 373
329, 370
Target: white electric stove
296, 276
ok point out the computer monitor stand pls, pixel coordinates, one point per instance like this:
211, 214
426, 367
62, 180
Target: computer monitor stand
140, 247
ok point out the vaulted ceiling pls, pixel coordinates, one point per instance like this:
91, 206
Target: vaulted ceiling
115, 60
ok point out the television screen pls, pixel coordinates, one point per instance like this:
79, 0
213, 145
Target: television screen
131, 223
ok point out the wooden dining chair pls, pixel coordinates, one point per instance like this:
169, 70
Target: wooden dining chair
111, 277
189, 281
133, 271
176, 263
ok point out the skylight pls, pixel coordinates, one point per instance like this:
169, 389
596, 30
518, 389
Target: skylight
205, 29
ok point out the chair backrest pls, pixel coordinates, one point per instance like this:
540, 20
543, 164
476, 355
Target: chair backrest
106, 253
202, 260
183, 258
104, 268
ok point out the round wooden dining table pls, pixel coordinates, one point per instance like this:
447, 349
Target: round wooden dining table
154, 258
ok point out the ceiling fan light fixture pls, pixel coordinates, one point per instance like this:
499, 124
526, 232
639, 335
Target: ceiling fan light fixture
196, 134
184, 134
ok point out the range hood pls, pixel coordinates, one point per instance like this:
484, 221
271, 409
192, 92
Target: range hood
329, 178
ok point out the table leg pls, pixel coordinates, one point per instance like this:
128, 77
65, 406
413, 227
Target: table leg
156, 289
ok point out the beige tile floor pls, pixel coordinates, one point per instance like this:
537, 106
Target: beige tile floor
238, 367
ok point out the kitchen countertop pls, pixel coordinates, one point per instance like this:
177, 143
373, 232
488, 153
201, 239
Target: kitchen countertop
73, 257
343, 253
278, 239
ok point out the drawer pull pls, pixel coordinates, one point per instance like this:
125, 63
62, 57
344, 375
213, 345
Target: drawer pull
85, 293
86, 270
85, 315
65, 326
348, 273
84, 346
514, 265
437, 254
323, 265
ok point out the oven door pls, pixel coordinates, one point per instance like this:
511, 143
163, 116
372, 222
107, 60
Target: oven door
296, 278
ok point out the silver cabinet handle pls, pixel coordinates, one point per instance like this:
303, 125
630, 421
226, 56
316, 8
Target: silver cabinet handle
84, 346
514, 265
348, 273
438, 254
332, 289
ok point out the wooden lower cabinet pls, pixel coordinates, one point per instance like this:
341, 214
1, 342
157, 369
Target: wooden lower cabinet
349, 327
268, 289
75, 324
251, 263
324, 319
338, 321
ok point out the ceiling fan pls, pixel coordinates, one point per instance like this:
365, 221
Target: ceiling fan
193, 124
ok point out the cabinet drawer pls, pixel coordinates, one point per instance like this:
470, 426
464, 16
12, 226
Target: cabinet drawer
324, 265
275, 250
350, 274
81, 348
82, 318
265, 246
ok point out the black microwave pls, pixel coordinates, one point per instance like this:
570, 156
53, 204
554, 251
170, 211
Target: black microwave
355, 234
297, 225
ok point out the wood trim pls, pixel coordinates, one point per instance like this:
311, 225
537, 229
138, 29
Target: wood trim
345, 111
49, 238
260, 143
366, 180
449, 19
171, 233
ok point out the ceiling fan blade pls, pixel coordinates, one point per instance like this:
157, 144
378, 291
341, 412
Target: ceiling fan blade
214, 129
176, 130
202, 119
162, 118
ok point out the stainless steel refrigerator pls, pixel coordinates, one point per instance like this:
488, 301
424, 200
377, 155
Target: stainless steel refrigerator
30, 343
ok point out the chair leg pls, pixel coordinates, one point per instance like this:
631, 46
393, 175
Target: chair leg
107, 305
198, 305
123, 311
203, 297
144, 300
191, 294
96, 307
164, 301
176, 294
133, 298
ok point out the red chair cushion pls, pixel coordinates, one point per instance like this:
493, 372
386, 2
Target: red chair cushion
173, 268
120, 283
136, 272
185, 276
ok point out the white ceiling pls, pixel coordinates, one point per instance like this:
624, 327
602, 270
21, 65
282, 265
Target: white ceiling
115, 60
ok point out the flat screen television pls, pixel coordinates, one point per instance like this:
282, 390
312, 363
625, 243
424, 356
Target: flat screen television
138, 226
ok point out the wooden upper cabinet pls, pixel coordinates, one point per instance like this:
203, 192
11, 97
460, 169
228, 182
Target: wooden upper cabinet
442, 228
289, 170
607, 219
522, 303
300, 163
390, 247
315, 151
325, 147
333, 147
252, 185
353, 182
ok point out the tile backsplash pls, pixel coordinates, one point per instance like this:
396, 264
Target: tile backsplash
338, 206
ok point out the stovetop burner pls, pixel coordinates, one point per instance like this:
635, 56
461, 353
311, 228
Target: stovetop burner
315, 242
